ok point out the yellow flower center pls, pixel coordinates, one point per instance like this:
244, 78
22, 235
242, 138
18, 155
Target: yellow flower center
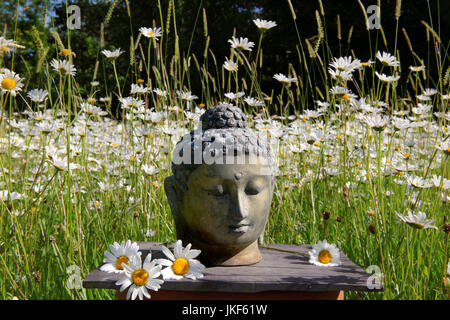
406, 155
120, 260
66, 52
8, 84
324, 257
346, 97
180, 266
364, 64
317, 143
339, 137
416, 225
151, 34
5, 48
140, 277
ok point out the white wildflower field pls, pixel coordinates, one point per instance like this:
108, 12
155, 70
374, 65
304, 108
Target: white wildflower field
360, 162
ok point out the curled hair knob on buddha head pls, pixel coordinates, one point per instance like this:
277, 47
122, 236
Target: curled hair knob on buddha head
223, 117
224, 130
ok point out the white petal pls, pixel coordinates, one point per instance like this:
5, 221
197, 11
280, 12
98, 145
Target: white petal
177, 250
168, 253
164, 262
110, 258
146, 294
109, 268
186, 250
134, 294
193, 254
130, 290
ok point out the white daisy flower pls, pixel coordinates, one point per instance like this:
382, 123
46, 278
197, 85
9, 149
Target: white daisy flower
386, 78
282, 78
160, 92
387, 59
324, 254
149, 169
188, 96
423, 97
140, 278
429, 92
230, 65
346, 64
138, 88
416, 68
417, 221
254, 102
181, 263
439, 182
7, 44
10, 82
37, 95
418, 182
154, 33
264, 24
376, 121
241, 43
118, 255
63, 66
232, 95
113, 54
340, 75
130, 103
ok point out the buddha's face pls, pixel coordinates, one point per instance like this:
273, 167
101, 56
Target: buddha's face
228, 204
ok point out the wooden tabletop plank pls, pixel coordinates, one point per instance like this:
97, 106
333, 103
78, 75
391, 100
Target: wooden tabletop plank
278, 270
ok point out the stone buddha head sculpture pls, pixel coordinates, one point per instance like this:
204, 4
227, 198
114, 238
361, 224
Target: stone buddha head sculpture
221, 189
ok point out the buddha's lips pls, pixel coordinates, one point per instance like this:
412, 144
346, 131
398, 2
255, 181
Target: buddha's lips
241, 227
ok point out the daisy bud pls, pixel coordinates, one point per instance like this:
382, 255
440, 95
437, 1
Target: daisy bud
326, 215
338, 219
446, 228
372, 229
37, 276
345, 191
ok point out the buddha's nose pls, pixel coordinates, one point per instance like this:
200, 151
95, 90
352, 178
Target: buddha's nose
240, 210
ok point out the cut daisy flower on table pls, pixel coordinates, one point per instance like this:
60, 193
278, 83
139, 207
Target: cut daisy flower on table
324, 254
118, 255
140, 278
181, 263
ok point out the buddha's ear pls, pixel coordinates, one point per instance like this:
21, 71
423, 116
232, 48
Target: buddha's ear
172, 196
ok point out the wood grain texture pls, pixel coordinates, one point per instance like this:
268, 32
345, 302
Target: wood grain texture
277, 271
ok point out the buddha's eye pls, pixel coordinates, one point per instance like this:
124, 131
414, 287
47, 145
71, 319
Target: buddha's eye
253, 188
217, 191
